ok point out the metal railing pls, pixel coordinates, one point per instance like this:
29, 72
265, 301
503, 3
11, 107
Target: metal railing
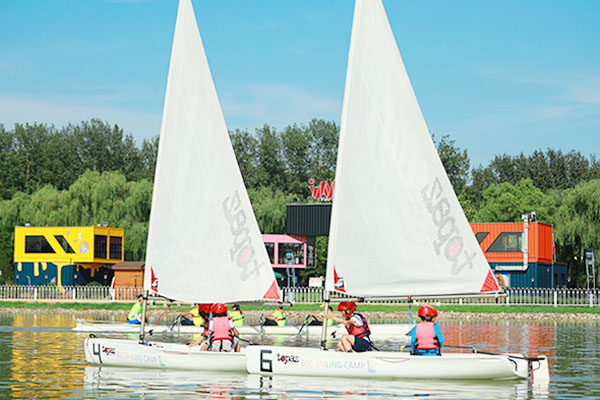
514, 296
68, 293
305, 295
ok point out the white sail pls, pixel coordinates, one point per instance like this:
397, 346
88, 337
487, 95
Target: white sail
204, 244
397, 228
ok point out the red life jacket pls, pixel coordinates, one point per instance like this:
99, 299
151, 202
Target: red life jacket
359, 331
426, 338
220, 329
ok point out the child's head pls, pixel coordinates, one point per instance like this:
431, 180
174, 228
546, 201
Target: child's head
218, 310
203, 309
347, 308
427, 312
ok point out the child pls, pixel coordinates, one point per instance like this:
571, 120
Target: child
222, 334
357, 339
426, 338
279, 318
135, 314
237, 316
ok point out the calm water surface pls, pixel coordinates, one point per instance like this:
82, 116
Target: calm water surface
40, 357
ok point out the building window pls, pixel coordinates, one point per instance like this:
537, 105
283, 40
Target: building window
507, 242
99, 246
297, 252
116, 248
64, 244
481, 235
271, 251
37, 244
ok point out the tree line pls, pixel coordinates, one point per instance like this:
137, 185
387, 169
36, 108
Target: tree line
91, 172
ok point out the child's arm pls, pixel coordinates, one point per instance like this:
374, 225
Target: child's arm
438, 333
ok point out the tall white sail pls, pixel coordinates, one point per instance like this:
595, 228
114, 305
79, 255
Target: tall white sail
204, 244
397, 228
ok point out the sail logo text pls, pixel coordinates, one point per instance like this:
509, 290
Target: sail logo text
322, 192
241, 251
448, 239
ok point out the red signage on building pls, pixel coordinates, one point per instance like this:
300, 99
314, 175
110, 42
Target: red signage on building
323, 191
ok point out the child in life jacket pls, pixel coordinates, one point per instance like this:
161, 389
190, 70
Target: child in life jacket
426, 338
197, 316
357, 339
222, 334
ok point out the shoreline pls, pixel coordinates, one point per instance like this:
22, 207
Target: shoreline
253, 316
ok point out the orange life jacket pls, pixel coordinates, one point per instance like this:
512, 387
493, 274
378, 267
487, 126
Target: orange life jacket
425, 335
220, 329
359, 331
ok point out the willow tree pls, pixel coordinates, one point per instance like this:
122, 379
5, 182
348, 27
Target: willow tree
577, 225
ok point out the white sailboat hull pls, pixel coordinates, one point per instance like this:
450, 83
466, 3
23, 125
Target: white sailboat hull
377, 330
390, 365
129, 353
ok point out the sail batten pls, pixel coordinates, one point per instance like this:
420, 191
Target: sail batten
397, 228
204, 244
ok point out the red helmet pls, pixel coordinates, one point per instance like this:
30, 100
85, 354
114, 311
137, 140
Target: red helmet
427, 311
218, 308
205, 308
347, 305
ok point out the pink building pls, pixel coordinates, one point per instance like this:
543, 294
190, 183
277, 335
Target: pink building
302, 252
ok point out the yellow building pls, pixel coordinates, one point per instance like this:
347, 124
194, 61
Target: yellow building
66, 255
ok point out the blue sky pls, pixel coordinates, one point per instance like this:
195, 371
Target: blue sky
498, 77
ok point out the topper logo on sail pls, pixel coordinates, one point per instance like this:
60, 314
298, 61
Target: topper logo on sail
241, 252
448, 237
323, 191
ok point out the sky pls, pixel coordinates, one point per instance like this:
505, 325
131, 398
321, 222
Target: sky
496, 76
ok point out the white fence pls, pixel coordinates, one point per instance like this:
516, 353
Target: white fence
304, 295
514, 296
68, 293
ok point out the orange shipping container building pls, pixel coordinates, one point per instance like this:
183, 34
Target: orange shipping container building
502, 244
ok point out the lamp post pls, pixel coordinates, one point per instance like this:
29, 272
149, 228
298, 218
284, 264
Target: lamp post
289, 260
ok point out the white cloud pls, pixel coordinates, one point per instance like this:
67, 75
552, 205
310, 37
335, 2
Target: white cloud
276, 104
142, 125
586, 93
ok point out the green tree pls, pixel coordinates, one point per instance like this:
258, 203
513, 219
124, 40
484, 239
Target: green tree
321, 251
271, 169
456, 162
269, 205
576, 227
245, 147
296, 151
547, 171
506, 202
323, 137
11, 175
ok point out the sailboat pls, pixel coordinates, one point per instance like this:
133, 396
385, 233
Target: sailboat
204, 244
397, 227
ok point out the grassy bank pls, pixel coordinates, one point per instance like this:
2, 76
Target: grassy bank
491, 309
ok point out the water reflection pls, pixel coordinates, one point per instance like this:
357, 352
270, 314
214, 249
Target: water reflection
40, 357
133, 382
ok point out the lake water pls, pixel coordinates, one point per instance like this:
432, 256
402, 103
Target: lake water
40, 357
